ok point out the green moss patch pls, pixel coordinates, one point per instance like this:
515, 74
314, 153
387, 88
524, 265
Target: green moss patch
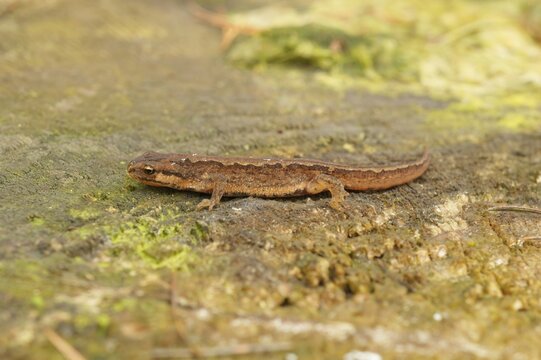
375, 57
160, 242
476, 118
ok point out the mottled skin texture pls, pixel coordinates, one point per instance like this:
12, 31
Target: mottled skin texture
245, 176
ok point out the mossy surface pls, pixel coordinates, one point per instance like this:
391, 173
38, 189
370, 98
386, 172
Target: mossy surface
120, 270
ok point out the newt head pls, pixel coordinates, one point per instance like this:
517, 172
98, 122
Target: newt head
147, 168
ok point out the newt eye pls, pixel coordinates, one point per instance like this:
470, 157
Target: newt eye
149, 170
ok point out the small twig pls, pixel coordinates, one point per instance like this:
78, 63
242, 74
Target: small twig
531, 238
516, 208
220, 351
179, 326
63, 347
230, 31
10, 8
218, 20
525, 209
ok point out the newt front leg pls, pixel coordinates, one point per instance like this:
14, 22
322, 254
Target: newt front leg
215, 198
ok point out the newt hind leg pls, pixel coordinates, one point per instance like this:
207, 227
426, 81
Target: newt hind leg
324, 182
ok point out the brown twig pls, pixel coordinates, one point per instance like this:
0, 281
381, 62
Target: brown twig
531, 238
516, 208
10, 8
230, 31
220, 351
63, 347
179, 326
525, 209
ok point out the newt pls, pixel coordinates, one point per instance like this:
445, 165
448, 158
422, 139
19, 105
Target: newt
267, 177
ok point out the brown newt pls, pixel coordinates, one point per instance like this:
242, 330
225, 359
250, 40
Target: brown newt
266, 177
